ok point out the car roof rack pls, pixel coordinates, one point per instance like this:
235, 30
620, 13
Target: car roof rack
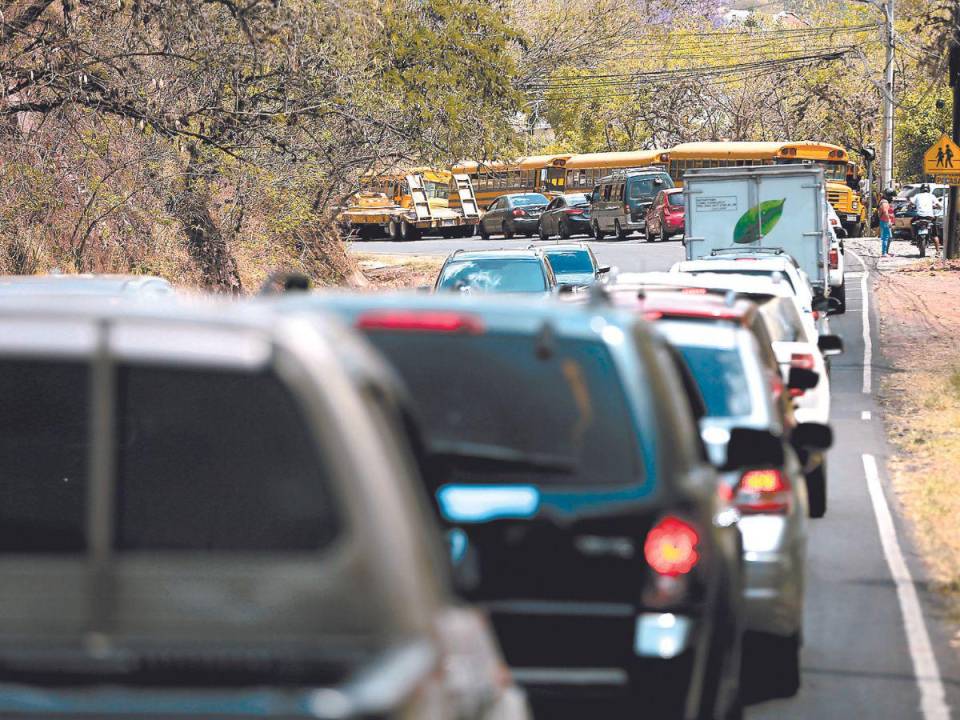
747, 251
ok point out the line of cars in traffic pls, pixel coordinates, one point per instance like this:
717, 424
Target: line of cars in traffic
640, 200
413, 505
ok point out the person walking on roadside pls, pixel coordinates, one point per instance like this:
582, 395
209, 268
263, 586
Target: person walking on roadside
885, 215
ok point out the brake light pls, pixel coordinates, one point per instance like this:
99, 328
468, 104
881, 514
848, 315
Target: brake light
653, 315
834, 259
763, 491
693, 291
413, 321
626, 208
804, 361
574, 211
671, 547
519, 212
816, 314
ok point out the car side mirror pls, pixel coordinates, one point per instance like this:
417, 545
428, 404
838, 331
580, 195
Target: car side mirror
603, 269
802, 379
813, 436
753, 448
821, 305
830, 345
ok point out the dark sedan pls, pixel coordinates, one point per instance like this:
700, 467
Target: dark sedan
516, 214
566, 215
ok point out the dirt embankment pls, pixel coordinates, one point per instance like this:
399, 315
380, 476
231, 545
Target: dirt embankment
920, 334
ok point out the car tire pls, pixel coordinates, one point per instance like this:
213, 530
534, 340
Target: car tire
817, 491
771, 666
564, 231
647, 234
507, 234
618, 231
393, 230
840, 294
663, 233
482, 231
409, 232
541, 233
597, 232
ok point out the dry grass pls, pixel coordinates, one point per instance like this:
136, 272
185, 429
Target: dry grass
919, 327
399, 271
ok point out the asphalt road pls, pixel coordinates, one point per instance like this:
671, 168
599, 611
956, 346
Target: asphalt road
876, 642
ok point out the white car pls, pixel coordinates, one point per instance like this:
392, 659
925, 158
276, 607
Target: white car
764, 267
838, 288
795, 340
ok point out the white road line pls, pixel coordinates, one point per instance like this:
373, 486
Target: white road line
865, 415
933, 703
867, 342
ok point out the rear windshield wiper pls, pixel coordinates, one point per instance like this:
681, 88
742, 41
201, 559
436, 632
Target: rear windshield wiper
463, 453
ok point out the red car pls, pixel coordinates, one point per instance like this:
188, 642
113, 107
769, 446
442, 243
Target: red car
665, 214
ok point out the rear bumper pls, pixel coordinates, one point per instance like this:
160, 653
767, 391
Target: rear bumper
525, 224
584, 643
773, 575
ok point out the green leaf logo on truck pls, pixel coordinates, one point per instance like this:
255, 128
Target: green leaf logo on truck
757, 221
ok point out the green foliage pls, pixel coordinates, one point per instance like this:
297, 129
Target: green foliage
919, 124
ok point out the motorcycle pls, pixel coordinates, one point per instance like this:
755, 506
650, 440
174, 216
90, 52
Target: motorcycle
922, 233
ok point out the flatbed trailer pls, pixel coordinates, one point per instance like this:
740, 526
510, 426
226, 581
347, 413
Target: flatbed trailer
409, 217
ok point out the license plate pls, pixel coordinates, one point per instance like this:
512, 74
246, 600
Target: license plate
852, 218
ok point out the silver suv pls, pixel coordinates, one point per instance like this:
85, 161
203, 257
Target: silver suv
202, 498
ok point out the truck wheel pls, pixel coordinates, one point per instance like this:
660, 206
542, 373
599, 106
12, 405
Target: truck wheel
618, 231
409, 232
393, 230
840, 294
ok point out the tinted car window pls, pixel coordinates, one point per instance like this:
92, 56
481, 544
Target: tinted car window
506, 275
644, 187
561, 415
783, 320
676, 199
217, 461
576, 199
526, 200
43, 456
720, 375
570, 261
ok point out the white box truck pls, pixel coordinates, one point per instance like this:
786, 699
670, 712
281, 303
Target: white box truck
755, 210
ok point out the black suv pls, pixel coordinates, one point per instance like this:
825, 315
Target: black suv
579, 505
618, 205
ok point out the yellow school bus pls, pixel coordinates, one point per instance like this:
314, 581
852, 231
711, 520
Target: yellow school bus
832, 158
584, 171
539, 173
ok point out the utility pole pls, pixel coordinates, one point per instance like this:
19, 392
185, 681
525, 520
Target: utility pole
886, 174
950, 217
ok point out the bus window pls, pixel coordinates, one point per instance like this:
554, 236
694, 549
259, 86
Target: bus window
553, 179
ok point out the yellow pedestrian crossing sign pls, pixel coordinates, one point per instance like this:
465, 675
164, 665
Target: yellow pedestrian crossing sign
942, 160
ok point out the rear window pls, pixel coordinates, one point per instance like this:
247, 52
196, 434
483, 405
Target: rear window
501, 275
676, 199
745, 270
43, 456
577, 199
783, 320
570, 261
525, 200
217, 461
516, 408
721, 378
646, 187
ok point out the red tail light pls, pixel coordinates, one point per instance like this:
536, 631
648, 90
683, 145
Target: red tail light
816, 314
763, 491
834, 259
626, 208
574, 211
804, 361
519, 212
693, 291
413, 321
671, 547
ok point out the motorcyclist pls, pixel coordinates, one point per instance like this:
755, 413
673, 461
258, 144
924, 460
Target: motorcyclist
926, 205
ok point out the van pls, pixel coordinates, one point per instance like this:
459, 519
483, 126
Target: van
618, 205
